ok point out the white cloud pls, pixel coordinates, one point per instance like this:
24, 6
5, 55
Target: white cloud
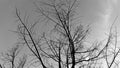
107, 14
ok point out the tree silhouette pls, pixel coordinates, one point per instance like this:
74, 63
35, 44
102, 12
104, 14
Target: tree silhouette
64, 45
10, 58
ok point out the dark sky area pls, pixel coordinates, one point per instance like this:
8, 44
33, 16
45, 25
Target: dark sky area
99, 13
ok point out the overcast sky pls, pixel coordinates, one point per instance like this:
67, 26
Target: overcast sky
100, 13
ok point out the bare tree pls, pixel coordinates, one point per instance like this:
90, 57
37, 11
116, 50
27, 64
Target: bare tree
65, 45
112, 49
10, 56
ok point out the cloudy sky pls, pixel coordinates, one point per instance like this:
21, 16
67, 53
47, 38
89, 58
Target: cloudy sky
99, 13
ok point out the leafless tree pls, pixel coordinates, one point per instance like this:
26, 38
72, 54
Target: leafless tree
112, 49
64, 46
10, 58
